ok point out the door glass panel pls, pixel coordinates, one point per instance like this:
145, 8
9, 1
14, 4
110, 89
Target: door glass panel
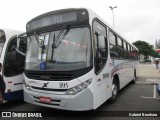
14, 62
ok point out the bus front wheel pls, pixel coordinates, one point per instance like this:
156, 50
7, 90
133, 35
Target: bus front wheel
115, 91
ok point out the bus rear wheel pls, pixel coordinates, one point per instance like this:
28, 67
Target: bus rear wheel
115, 91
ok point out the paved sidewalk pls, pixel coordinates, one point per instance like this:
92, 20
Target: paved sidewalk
148, 71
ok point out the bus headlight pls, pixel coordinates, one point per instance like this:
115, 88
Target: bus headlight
78, 88
26, 85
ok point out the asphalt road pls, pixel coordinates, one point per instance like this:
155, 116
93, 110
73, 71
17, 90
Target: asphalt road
134, 97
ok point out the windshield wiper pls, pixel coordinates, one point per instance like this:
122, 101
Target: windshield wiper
53, 47
57, 40
60, 40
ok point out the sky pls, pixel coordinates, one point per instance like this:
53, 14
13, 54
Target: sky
134, 19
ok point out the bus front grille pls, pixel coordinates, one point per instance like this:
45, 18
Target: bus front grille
56, 75
49, 89
50, 77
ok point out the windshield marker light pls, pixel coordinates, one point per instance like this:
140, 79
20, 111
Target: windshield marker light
78, 88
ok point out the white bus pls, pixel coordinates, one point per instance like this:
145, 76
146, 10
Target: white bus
75, 61
12, 65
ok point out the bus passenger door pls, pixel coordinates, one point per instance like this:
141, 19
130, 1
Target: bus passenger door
101, 56
13, 69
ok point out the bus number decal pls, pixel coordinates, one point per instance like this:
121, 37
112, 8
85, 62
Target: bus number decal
63, 85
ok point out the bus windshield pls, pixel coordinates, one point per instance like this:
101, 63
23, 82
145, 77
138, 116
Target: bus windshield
62, 50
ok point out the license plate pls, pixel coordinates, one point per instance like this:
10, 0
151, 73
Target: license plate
45, 99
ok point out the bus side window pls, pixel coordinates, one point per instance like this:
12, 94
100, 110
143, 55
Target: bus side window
120, 48
125, 50
100, 46
113, 47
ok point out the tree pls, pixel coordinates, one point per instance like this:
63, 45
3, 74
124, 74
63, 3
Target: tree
145, 48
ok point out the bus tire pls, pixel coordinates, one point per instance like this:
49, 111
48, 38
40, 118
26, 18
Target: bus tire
135, 76
115, 91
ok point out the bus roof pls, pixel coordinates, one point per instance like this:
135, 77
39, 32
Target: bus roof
10, 33
92, 15
55, 12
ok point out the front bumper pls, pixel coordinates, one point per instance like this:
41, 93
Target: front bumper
80, 102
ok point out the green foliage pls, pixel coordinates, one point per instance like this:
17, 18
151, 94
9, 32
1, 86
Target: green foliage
145, 48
